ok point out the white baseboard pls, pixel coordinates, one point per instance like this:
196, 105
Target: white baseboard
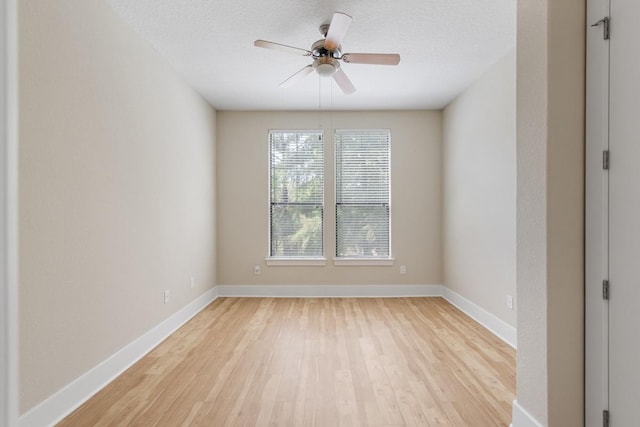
329, 291
67, 399
500, 328
521, 418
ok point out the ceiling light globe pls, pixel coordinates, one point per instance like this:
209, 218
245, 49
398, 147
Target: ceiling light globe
326, 70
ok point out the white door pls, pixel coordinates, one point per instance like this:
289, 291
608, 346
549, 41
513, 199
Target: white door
624, 214
596, 216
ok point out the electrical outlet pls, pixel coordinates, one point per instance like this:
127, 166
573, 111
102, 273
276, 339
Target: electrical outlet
192, 282
166, 296
403, 269
257, 269
509, 302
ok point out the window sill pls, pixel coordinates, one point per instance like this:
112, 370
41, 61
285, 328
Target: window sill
363, 261
311, 262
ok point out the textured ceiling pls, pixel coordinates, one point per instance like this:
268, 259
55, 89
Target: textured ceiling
444, 46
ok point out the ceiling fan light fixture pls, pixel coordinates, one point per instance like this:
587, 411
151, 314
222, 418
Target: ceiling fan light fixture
326, 67
326, 70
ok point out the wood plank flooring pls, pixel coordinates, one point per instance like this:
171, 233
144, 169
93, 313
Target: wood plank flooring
316, 362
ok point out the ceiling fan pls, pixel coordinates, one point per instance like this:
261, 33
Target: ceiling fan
327, 54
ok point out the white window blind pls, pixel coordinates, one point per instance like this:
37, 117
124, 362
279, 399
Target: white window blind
296, 168
362, 193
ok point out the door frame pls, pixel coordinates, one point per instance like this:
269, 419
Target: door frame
596, 216
9, 406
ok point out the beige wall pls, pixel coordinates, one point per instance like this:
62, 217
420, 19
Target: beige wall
243, 220
117, 191
479, 191
550, 247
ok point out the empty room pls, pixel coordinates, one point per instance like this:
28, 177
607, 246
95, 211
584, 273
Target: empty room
294, 213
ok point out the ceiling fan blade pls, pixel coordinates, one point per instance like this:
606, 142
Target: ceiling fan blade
338, 28
281, 47
297, 76
372, 58
343, 81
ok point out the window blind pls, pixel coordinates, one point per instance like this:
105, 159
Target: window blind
296, 168
362, 193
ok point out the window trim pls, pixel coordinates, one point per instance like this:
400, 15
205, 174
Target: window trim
352, 262
290, 262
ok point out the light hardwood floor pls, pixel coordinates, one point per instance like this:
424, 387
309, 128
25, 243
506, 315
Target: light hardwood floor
316, 362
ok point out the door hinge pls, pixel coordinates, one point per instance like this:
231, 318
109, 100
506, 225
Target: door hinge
605, 289
605, 27
605, 418
605, 160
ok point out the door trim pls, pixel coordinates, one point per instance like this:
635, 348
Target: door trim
8, 215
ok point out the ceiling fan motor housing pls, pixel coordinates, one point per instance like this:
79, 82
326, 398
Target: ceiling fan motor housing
319, 51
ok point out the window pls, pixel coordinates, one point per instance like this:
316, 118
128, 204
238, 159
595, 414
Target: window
296, 168
362, 194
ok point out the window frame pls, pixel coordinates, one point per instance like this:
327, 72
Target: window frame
369, 260
319, 260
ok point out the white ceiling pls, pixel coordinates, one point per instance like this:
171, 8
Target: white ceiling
444, 46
